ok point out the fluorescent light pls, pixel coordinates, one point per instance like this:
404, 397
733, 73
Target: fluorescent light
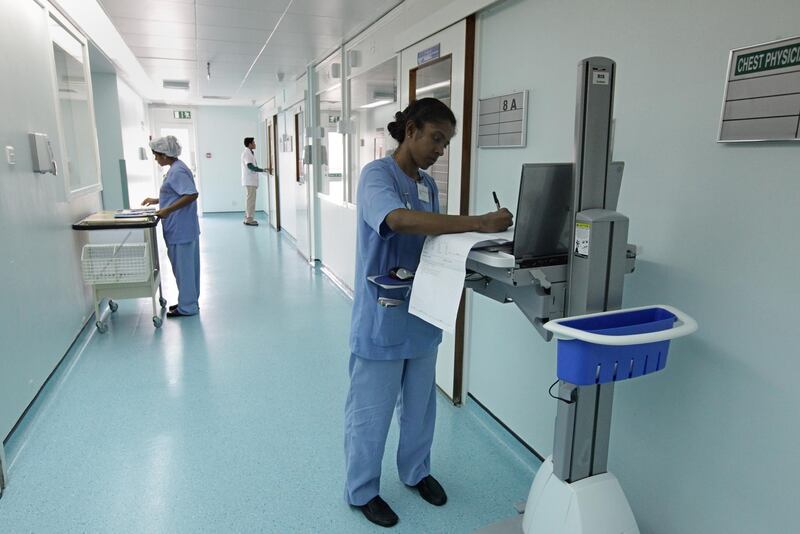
377, 103
433, 86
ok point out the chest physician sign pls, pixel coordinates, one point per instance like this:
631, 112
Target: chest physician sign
762, 93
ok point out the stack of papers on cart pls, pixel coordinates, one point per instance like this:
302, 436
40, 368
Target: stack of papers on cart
439, 279
135, 213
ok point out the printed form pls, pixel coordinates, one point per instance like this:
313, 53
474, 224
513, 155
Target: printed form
439, 279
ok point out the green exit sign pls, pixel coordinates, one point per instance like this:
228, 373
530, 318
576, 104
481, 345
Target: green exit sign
182, 114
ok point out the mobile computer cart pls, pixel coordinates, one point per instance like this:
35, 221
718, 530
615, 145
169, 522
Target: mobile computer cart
122, 271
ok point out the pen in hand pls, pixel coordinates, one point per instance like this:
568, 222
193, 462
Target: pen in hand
496, 202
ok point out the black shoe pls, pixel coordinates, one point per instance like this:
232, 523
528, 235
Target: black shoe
379, 512
173, 307
176, 313
430, 490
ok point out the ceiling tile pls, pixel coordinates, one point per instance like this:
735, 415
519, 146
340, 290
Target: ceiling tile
162, 10
150, 27
222, 33
169, 53
254, 5
174, 39
155, 41
237, 18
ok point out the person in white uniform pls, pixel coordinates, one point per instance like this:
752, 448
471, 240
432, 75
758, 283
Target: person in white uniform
250, 172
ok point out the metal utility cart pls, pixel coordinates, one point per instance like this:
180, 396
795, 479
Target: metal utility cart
122, 270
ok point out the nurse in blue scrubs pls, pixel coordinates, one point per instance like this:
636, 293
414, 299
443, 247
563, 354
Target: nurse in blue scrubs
393, 354
177, 201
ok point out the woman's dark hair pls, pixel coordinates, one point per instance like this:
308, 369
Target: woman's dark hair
248, 140
420, 112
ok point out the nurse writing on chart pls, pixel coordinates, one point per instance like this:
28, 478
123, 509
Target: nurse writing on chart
177, 201
393, 354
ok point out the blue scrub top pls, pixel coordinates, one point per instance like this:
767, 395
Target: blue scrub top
180, 226
377, 332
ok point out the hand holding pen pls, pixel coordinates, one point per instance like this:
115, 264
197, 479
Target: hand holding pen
496, 221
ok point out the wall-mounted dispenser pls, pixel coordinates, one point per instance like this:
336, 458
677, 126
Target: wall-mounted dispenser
42, 153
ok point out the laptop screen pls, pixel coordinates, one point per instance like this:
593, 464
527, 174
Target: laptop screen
544, 208
544, 211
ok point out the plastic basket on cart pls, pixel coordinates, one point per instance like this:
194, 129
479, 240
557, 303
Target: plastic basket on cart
115, 264
617, 345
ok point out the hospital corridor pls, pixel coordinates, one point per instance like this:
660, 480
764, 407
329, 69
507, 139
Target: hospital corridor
412, 266
231, 421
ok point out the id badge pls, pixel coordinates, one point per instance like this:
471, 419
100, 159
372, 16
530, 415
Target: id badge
423, 192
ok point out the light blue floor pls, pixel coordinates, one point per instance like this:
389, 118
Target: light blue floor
231, 421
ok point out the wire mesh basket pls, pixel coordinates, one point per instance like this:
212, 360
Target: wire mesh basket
116, 264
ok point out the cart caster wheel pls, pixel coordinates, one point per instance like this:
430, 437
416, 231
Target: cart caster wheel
112, 306
101, 327
163, 302
157, 322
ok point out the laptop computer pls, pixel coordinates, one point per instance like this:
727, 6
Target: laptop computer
544, 216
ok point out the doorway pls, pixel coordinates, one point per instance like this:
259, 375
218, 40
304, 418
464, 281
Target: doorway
302, 201
165, 121
273, 184
441, 66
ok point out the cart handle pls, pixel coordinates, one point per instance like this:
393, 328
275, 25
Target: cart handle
685, 326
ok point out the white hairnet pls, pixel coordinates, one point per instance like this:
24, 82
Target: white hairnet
168, 146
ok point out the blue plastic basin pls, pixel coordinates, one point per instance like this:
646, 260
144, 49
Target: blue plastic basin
583, 363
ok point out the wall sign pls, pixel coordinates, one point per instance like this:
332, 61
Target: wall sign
182, 114
762, 93
429, 54
503, 120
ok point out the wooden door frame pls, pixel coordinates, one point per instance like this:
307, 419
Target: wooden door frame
466, 161
412, 75
466, 156
299, 131
275, 177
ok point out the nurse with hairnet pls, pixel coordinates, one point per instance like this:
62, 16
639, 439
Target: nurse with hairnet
177, 202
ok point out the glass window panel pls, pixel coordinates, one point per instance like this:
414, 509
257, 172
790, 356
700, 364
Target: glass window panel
434, 81
74, 109
299, 146
332, 144
373, 103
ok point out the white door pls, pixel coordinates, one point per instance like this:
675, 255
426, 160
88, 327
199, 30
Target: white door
163, 124
435, 67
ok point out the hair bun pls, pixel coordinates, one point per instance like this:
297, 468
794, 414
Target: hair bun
400, 117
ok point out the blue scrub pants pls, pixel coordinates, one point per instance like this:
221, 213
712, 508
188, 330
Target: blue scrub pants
376, 387
185, 260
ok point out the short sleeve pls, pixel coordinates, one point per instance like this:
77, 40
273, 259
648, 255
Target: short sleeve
377, 198
182, 182
249, 157
434, 192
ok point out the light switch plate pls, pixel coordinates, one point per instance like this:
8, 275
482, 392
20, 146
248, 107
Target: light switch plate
11, 156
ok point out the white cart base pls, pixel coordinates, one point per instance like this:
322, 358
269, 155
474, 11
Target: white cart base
3, 469
594, 505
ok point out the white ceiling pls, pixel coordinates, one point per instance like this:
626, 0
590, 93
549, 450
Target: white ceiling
175, 39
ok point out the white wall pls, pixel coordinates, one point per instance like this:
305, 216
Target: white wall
709, 444
109, 139
44, 302
221, 131
338, 228
135, 130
